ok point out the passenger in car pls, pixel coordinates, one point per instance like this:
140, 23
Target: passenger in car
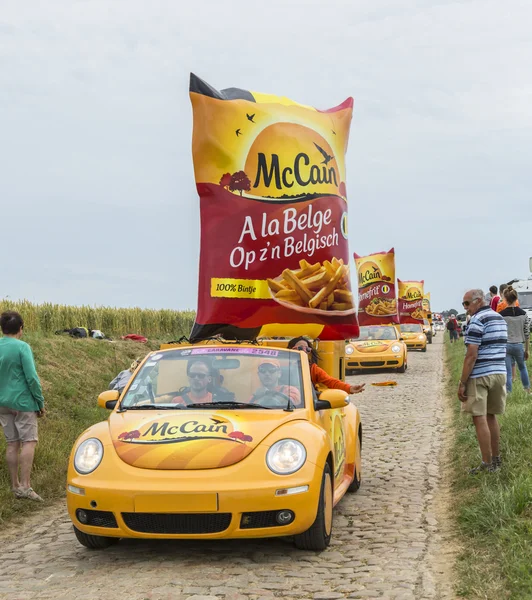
269, 372
317, 374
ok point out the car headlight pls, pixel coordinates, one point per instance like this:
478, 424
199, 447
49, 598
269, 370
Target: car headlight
396, 349
349, 349
421, 337
88, 456
286, 457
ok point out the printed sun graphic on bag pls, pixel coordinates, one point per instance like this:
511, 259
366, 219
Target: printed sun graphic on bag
271, 176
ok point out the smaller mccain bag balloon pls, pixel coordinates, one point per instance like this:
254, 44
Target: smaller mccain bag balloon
377, 304
274, 256
426, 302
410, 299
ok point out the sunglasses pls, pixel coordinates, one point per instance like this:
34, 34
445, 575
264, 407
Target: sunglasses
303, 348
268, 371
466, 303
197, 375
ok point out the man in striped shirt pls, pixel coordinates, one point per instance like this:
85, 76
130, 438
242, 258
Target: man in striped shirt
482, 387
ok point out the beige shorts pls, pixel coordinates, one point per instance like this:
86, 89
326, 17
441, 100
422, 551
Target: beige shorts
485, 395
19, 426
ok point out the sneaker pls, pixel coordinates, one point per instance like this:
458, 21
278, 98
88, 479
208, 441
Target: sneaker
496, 462
28, 494
483, 467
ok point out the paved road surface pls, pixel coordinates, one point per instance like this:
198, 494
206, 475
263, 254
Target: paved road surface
388, 540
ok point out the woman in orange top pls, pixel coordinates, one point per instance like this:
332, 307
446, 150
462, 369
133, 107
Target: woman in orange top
317, 374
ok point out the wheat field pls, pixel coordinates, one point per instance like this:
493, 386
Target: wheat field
47, 318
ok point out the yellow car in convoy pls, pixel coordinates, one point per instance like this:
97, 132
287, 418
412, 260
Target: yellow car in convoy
216, 441
414, 337
377, 347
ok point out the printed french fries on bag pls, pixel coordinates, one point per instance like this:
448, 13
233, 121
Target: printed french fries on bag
377, 304
410, 298
271, 176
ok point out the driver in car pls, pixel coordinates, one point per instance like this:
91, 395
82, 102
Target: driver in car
269, 372
199, 378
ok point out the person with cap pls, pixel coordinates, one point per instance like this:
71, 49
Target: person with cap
269, 371
317, 374
121, 380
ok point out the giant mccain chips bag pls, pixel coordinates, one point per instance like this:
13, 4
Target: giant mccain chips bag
410, 301
377, 304
426, 303
274, 257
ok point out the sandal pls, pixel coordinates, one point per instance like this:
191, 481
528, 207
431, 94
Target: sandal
28, 494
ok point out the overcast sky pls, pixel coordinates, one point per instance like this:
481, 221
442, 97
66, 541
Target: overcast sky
97, 194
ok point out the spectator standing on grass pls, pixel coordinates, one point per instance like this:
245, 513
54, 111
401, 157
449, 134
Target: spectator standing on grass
452, 328
122, 379
21, 402
482, 386
494, 297
518, 339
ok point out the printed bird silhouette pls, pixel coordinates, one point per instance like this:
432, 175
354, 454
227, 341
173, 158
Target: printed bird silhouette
238, 132
327, 157
251, 117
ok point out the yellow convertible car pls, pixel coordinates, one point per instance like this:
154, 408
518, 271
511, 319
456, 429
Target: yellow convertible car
414, 337
377, 347
216, 441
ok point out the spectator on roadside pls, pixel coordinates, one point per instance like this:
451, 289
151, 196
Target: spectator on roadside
121, 380
21, 402
502, 302
452, 328
494, 297
482, 386
518, 339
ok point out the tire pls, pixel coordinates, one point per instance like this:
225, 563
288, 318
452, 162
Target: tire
403, 368
354, 486
317, 537
349, 372
424, 349
95, 542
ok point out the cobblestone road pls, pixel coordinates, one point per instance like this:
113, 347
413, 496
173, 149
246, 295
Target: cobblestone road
388, 539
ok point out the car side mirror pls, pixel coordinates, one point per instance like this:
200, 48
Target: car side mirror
331, 399
108, 399
401, 339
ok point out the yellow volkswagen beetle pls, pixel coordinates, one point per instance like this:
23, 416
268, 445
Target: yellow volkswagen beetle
216, 441
377, 347
414, 337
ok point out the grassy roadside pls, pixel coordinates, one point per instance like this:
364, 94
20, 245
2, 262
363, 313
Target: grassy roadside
73, 373
493, 511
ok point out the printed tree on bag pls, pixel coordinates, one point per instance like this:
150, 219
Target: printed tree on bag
225, 180
240, 182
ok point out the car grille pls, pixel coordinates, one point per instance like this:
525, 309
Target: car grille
372, 363
100, 518
393, 362
256, 520
177, 523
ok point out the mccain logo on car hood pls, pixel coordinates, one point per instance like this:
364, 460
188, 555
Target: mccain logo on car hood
372, 346
189, 440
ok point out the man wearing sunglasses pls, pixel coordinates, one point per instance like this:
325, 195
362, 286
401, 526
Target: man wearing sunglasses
482, 386
199, 379
269, 371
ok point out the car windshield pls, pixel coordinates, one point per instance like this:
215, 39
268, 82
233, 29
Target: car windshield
413, 328
230, 377
525, 300
377, 333
426, 322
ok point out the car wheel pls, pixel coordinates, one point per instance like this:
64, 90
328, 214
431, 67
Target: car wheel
318, 536
402, 368
349, 372
355, 484
424, 349
95, 542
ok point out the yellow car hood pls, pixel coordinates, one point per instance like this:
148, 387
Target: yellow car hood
410, 336
373, 346
191, 439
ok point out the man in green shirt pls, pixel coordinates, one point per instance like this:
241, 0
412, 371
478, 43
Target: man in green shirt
21, 402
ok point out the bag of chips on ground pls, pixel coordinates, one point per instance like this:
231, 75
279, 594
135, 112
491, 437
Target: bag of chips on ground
274, 257
377, 304
410, 300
